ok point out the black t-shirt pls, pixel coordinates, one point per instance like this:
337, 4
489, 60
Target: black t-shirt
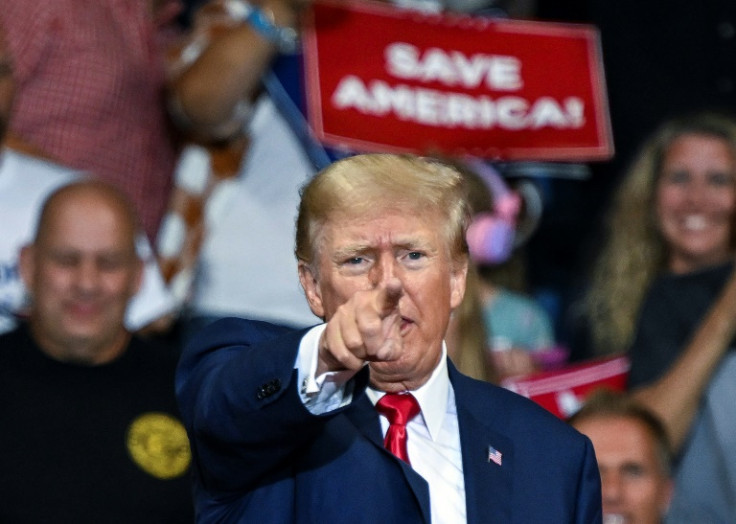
91, 444
671, 313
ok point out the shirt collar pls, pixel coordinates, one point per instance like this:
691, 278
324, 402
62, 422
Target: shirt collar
432, 396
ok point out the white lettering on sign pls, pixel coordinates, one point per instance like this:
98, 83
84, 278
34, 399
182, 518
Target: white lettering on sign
453, 68
438, 108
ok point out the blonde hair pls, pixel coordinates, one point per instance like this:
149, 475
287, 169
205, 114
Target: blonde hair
467, 338
371, 183
635, 251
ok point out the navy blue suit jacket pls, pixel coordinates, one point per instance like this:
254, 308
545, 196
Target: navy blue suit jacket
260, 456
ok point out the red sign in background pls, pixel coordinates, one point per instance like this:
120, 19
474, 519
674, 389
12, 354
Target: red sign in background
563, 391
383, 79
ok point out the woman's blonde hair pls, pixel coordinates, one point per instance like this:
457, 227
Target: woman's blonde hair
467, 338
635, 251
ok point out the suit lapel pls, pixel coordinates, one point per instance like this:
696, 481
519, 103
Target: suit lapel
364, 417
487, 483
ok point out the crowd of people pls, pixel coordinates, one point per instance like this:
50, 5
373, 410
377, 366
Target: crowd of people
164, 356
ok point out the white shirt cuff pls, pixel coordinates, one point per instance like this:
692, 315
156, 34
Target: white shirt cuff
330, 390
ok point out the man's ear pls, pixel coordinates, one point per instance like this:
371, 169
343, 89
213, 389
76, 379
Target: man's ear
27, 265
311, 288
458, 278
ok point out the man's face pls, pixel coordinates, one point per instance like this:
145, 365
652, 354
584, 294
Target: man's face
81, 274
635, 488
362, 253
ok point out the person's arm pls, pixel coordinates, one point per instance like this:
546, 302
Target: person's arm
242, 394
229, 69
238, 393
676, 395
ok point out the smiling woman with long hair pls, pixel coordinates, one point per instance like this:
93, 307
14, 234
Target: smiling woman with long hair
665, 290
637, 247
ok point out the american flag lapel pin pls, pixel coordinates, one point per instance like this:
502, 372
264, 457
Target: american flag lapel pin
494, 455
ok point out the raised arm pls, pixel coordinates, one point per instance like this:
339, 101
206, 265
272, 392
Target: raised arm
238, 397
206, 92
676, 395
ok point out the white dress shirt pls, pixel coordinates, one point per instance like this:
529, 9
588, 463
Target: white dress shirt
433, 440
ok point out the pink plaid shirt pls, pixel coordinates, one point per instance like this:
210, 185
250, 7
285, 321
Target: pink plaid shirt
89, 92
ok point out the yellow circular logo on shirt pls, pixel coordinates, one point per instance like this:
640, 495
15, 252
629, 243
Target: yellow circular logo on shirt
158, 444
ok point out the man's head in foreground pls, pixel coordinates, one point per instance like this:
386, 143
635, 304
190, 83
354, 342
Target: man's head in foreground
387, 233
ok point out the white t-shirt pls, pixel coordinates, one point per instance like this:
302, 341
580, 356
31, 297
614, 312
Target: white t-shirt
247, 266
25, 182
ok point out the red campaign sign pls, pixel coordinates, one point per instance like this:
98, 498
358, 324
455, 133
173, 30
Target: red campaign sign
385, 79
563, 391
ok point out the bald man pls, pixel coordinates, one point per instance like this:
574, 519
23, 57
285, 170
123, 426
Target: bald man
91, 430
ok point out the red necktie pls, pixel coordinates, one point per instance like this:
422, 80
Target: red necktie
399, 409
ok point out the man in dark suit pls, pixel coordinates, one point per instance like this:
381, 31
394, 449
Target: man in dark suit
291, 426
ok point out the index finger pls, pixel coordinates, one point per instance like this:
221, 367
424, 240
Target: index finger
388, 298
